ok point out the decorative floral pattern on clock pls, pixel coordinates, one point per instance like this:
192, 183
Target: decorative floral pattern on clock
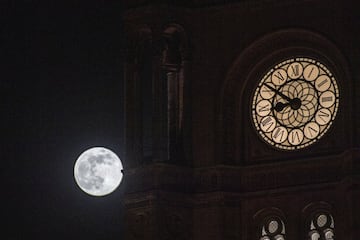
295, 103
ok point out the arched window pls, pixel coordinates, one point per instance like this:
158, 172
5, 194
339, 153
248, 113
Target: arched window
174, 64
321, 227
273, 228
269, 224
138, 99
154, 74
318, 221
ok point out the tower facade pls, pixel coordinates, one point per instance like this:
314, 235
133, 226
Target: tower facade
241, 119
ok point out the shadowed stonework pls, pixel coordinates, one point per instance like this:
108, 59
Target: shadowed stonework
252, 111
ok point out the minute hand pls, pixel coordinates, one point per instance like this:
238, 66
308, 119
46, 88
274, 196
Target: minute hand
278, 92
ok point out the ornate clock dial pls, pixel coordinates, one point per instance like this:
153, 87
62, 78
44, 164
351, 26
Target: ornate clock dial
295, 103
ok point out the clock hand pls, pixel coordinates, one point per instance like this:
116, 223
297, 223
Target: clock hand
278, 92
295, 104
280, 106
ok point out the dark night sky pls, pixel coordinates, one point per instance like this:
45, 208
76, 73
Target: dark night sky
61, 92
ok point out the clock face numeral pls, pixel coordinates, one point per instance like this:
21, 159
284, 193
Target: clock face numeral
327, 99
268, 123
279, 77
311, 72
263, 108
266, 92
295, 103
322, 83
311, 130
295, 70
323, 116
279, 134
296, 136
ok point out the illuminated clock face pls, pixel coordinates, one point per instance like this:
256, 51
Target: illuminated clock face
295, 103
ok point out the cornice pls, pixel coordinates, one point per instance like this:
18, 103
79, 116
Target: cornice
322, 171
193, 4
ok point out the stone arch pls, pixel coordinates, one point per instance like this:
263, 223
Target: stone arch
269, 224
318, 221
176, 42
138, 47
137, 40
173, 74
238, 143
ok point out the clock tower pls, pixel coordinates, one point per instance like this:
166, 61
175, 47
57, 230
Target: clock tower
241, 119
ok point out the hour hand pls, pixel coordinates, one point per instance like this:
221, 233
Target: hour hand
278, 92
280, 106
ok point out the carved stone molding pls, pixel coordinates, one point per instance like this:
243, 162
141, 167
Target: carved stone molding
250, 4
168, 198
315, 171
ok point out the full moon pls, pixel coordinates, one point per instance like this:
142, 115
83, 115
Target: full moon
98, 171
